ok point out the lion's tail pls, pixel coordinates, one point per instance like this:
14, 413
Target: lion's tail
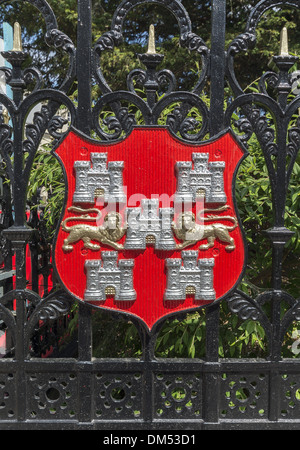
82, 210
213, 217
206, 210
85, 217
231, 218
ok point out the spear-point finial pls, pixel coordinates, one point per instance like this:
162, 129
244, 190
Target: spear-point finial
17, 47
151, 40
284, 45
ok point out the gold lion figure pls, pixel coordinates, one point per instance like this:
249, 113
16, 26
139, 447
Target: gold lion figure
108, 234
187, 230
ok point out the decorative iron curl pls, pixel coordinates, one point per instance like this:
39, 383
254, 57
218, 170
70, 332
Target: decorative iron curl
125, 121
248, 309
6, 314
262, 7
56, 305
161, 77
122, 120
59, 39
244, 307
32, 73
195, 43
178, 121
53, 309
259, 123
174, 6
36, 131
268, 78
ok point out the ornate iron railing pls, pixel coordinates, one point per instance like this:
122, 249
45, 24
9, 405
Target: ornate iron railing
80, 391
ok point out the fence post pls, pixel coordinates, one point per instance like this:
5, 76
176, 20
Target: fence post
83, 123
217, 70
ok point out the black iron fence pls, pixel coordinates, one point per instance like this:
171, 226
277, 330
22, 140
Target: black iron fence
50, 374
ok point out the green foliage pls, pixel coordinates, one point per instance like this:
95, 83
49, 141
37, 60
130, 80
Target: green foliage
47, 172
184, 338
123, 342
240, 339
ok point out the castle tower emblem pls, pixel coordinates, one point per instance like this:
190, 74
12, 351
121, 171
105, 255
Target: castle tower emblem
96, 178
206, 178
108, 275
149, 223
190, 275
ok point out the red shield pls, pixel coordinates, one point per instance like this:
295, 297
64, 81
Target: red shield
150, 226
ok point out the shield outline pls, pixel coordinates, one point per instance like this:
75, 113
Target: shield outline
178, 313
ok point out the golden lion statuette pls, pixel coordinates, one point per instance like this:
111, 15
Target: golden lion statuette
187, 230
108, 233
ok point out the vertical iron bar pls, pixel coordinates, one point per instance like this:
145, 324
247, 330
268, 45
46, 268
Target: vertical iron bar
217, 80
217, 66
83, 65
18, 185
83, 123
148, 405
19, 233
19, 237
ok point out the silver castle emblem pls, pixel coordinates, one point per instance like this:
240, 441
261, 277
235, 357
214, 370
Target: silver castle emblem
150, 224
193, 276
109, 276
96, 178
206, 179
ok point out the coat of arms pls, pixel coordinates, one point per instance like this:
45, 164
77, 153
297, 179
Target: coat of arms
150, 226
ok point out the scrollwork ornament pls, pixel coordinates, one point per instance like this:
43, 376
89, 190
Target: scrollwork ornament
59, 40
54, 308
244, 126
245, 308
266, 135
242, 43
108, 41
193, 43
8, 318
137, 74
116, 125
56, 305
6, 149
33, 74
269, 79
262, 7
178, 120
7, 73
35, 131
294, 142
56, 123
166, 76
188, 128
